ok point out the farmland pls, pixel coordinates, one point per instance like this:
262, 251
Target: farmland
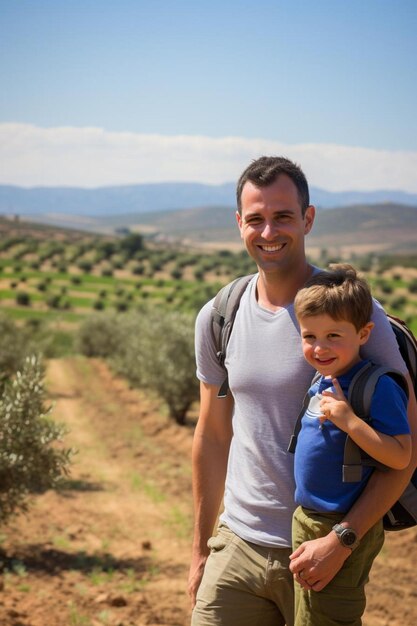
61, 276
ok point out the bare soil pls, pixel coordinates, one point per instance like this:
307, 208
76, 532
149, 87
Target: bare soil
113, 546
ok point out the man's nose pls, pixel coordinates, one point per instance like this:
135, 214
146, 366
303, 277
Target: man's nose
270, 230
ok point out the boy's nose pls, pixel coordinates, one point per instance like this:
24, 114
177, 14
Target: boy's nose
320, 347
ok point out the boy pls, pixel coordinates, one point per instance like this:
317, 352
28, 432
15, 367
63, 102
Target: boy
334, 311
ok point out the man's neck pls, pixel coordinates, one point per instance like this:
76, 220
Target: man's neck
278, 290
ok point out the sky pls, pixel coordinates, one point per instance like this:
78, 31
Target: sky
111, 92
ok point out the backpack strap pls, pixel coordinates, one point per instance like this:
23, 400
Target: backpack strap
360, 393
407, 344
223, 313
297, 427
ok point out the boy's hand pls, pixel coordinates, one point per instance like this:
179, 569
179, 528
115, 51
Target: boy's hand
336, 408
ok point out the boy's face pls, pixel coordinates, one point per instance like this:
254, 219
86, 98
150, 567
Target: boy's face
332, 346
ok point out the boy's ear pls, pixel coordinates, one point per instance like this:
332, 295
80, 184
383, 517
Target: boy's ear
365, 332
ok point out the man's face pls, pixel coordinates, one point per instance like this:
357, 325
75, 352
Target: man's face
271, 224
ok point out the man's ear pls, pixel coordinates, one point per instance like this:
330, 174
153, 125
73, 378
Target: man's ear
309, 218
365, 332
239, 222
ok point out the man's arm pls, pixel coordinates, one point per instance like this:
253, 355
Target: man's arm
210, 453
320, 560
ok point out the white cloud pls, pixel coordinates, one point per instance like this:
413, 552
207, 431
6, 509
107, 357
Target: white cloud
93, 157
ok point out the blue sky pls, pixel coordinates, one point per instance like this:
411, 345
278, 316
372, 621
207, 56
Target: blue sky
119, 91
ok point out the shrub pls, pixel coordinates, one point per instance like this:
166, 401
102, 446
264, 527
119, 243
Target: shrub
54, 301
85, 266
156, 352
131, 244
176, 273
99, 305
169, 348
23, 298
42, 286
138, 269
412, 287
99, 335
30, 460
121, 306
398, 302
12, 349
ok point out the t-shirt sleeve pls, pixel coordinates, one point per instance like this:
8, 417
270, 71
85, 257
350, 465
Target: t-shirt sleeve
208, 368
382, 347
389, 408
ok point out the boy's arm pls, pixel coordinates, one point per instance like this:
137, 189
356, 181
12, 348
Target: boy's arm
392, 451
210, 453
320, 560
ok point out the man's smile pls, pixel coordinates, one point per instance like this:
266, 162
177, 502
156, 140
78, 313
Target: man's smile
271, 247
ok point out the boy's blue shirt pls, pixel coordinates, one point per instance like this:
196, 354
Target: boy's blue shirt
319, 453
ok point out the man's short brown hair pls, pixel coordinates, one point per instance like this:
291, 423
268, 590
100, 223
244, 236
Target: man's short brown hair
339, 293
264, 171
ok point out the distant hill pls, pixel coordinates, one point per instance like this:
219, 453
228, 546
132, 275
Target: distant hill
145, 198
389, 227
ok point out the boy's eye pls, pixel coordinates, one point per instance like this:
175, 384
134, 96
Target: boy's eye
333, 335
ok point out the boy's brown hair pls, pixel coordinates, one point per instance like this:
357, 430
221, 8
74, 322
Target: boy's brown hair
339, 293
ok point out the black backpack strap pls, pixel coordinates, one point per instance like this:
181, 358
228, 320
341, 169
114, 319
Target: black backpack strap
293, 441
407, 344
360, 393
225, 306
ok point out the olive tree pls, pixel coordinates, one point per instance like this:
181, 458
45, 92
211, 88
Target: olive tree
32, 457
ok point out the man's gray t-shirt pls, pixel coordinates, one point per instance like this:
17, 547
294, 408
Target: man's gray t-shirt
268, 377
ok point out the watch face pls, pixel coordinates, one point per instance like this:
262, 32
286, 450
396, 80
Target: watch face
348, 538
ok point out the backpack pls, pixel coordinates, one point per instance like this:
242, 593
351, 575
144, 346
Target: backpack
403, 514
223, 313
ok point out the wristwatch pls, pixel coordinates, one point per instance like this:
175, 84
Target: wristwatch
347, 536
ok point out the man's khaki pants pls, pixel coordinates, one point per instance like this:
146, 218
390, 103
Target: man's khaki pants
244, 584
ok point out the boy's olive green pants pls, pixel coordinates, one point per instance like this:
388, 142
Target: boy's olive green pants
244, 584
342, 601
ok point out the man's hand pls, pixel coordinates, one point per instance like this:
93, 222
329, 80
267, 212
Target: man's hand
316, 562
198, 563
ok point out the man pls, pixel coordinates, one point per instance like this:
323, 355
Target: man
240, 444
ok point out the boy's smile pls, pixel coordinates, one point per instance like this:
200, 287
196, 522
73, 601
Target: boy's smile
332, 346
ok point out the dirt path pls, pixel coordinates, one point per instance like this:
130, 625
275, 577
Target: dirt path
112, 549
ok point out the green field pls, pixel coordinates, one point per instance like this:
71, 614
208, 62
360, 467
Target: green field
54, 276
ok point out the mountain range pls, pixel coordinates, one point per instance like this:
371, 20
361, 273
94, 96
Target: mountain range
148, 198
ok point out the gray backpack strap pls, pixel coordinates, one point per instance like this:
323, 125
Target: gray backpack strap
360, 393
294, 437
223, 313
